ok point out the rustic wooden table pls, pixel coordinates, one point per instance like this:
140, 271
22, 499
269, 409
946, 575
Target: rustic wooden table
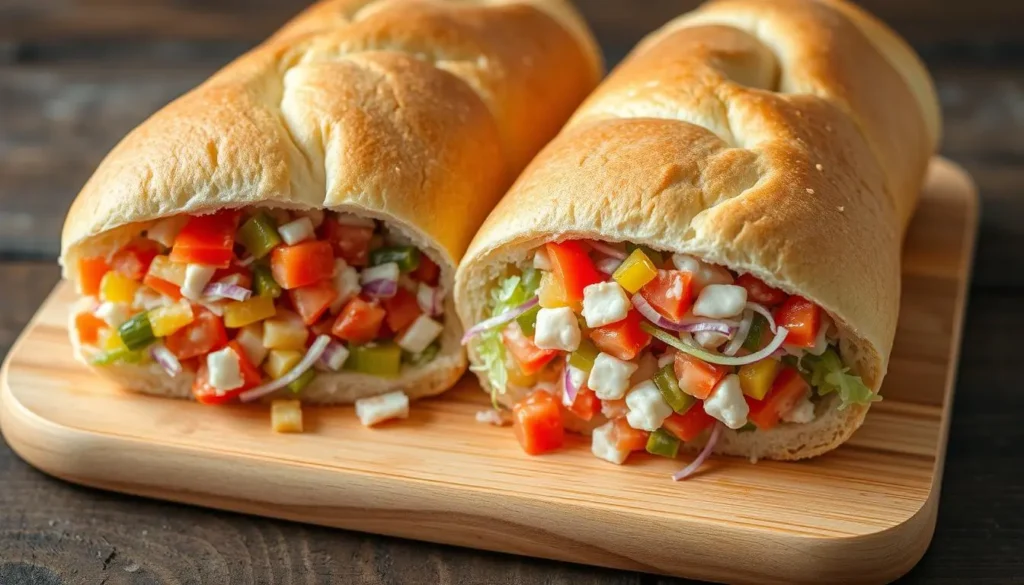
75, 75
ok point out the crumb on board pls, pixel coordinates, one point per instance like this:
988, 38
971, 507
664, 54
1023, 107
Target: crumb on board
819, 167
378, 409
493, 417
810, 191
841, 209
132, 568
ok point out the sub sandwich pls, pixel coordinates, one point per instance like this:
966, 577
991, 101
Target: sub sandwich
708, 255
291, 226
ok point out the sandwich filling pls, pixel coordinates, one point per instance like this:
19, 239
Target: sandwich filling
651, 350
260, 300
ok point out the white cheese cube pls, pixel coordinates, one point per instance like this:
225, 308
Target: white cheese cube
602, 444
387, 271
726, 403
165, 230
557, 329
296, 231
225, 370
336, 358
346, 282
720, 301
316, 216
703, 273
250, 338
147, 298
578, 379
802, 413
541, 260
420, 334
425, 295
666, 358
197, 276
381, 408
647, 409
604, 303
113, 314
609, 378
710, 339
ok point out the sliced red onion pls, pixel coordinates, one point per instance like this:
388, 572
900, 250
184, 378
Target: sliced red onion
311, 357
608, 250
571, 390
608, 265
499, 320
709, 447
330, 354
226, 290
690, 325
381, 289
763, 310
167, 360
714, 358
741, 334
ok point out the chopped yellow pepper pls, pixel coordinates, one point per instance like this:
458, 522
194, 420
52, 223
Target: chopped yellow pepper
286, 416
635, 271
164, 269
112, 341
242, 313
118, 288
285, 331
756, 378
281, 361
551, 294
166, 320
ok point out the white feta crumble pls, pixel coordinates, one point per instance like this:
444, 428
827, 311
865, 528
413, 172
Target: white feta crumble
703, 273
225, 370
296, 231
346, 282
726, 403
604, 303
557, 329
381, 408
802, 413
113, 314
388, 271
602, 444
719, 301
710, 339
420, 334
541, 260
609, 378
647, 409
197, 276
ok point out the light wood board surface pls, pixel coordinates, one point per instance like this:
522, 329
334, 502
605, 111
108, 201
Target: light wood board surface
863, 513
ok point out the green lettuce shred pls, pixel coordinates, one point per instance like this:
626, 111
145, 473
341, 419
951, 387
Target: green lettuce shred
827, 375
510, 292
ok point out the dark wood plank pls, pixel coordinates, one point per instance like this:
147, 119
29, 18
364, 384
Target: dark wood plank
619, 22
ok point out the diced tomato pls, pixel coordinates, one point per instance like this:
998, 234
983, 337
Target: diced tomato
134, 258
587, 404
359, 321
787, 389
250, 373
312, 301
697, 377
802, 318
162, 286
538, 423
90, 273
427, 271
204, 393
530, 358
350, 243
88, 327
207, 239
199, 337
303, 264
689, 425
571, 264
623, 339
670, 293
760, 292
243, 274
626, 438
402, 310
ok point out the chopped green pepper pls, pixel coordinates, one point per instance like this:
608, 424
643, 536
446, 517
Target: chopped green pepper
757, 327
661, 442
259, 235
263, 282
379, 359
584, 356
136, 333
407, 257
423, 357
125, 356
656, 258
302, 381
528, 321
668, 385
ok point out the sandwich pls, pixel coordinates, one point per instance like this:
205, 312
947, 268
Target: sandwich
291, 226
707, 257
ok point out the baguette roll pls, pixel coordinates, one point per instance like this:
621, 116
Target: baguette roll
781, 142
361, 125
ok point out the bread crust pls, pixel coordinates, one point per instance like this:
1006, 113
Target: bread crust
416, 112
774, 137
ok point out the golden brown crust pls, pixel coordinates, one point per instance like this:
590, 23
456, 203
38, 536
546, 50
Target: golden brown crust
417, 112
771, 136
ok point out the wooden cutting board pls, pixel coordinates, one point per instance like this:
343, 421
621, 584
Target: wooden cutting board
863, 513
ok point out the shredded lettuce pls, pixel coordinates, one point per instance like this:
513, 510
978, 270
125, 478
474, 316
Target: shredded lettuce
510, 292
827, 374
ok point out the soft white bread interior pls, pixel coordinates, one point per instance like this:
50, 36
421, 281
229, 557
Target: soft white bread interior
783, 138
419, 113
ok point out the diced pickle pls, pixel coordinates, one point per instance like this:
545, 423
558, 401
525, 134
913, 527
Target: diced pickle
407, 257
584, 356
378, 359
668, 385
252, 310
259, 235
661, 442
263, 282
136, 333
528, 321
302, 381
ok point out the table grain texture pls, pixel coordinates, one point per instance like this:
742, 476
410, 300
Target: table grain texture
76, 75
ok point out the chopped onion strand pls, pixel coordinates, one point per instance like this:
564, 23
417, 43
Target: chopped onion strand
382, 289
314, 353
167, 360
570, 389
608, 250
226, 291
691, 325
709, 447
741, 334
712, 358
499, 320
